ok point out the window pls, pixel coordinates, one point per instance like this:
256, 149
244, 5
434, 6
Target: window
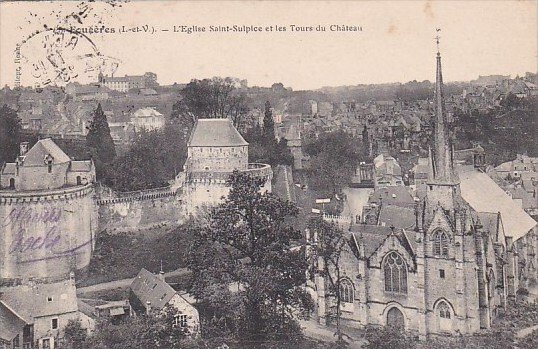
440, 244
346, 291
12, 183
442, 273
16, 342
500, 273
54, 324
180, 320
46, 343
444, 310
79, 180
491, 283
50, 299
444, 316
395, 273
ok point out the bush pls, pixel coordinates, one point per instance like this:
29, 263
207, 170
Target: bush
388, 338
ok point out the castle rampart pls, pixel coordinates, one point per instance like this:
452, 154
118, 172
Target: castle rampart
46, 234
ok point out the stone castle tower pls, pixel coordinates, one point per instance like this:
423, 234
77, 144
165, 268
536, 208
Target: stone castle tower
215, 150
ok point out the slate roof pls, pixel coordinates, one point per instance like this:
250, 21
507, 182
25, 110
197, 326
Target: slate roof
9, 168
397, 216
146, 113
81, 166
397, 195
10, 323
147, 287
484, 195
32, 301
372, 236
43, 147
215, 133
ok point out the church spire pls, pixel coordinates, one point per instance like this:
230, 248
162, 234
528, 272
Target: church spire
441, 158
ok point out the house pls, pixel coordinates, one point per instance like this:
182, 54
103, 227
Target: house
388, 172
35, 315
147, 119
45, 166
150, 294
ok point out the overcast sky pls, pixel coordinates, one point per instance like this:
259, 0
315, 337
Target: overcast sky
396, 43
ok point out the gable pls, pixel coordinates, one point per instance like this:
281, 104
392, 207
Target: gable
439, 221
36, 155
10, 323
392, 244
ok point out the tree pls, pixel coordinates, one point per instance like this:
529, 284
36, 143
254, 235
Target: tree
263, 145
99, 141
269, 126
213, 98
141, 167
333, 160
75, 335
147, 331
331, 244
244, 270
10, 134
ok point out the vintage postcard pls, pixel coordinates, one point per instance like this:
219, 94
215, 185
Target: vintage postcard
268, 174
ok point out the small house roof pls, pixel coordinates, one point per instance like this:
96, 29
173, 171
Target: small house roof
148, 287
44, 147
10, 323
31, 301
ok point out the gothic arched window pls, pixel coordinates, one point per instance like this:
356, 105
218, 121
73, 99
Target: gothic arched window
346, 291
395, 273
444, 310
440, 243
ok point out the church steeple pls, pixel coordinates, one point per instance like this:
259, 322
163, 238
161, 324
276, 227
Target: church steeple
441, 156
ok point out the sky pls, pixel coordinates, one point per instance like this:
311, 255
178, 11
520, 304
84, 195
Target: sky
396, 43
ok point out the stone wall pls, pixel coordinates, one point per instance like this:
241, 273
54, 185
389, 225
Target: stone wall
46, 234
140, 210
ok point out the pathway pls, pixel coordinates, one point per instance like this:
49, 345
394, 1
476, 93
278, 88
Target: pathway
326, 334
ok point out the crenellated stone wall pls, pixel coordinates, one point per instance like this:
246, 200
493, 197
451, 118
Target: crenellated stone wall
140, 210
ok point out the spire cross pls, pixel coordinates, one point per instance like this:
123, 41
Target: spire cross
437, 38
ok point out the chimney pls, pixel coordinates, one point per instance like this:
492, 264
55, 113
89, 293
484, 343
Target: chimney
161, 275
23, 148
148, 307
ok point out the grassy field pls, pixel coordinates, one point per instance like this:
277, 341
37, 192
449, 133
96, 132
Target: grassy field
122, 255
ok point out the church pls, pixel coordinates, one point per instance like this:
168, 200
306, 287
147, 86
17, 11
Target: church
451, 272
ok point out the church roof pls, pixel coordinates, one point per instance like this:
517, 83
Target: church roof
397, 216
215, 133
484, 195
372, 236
